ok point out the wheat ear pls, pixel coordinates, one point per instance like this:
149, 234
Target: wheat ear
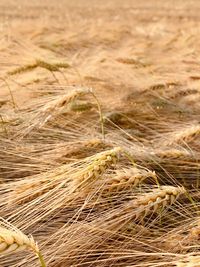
128, 178
51, 109
99, 164
195, 232
51, 66
183, 135
153, 201
66, 99
137, 209
172, 153
96, 166
14, 240
42, 64
23, 69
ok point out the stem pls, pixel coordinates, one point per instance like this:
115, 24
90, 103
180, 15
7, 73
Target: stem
79, 75
3, 126
100, 114
65, 78
157, 182
53, 74
192, 201
129, 157
42, 262
11, 94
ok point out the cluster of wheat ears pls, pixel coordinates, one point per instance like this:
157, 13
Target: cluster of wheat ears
100, 156
95, 187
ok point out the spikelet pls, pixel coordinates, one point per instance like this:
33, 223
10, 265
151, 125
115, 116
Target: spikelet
173, 242
194, 232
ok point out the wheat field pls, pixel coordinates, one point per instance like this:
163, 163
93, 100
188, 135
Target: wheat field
99, 133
